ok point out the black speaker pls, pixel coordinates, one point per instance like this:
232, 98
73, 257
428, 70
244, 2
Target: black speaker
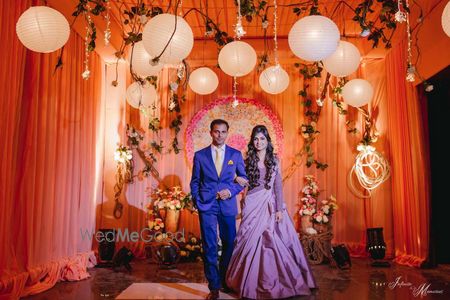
341, 256
375, 243
168, 256
107, 245
123, 258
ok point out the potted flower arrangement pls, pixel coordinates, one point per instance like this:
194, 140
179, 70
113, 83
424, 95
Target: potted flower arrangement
322, 217
166, 206
191, 250
308, 203
313, 210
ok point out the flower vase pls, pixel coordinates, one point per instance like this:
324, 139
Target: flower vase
162, 213
150, 224
321, 227
305, 222
171, 221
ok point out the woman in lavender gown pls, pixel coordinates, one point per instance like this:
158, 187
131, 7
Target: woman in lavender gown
268, 260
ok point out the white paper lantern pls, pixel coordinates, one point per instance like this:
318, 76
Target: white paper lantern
141, 95
42, 29
274, 80
357, 92
203, 81
314, 38
237, 58
157, 33
141, 62
344, 61
446, 19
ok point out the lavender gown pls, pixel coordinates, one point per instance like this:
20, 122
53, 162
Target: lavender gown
268, 260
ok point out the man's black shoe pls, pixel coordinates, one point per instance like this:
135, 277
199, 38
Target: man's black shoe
213, 295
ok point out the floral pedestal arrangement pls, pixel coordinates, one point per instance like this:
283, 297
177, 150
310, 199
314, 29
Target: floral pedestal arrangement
163, 218
315, 222
172, 220
165, 206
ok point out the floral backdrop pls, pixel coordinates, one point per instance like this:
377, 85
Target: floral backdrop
242, 119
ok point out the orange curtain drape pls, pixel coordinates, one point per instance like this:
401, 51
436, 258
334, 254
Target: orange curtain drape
48, 174
334, 146
397, 118
409, 160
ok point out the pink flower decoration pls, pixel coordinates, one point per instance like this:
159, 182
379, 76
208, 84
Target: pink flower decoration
237, 141
249, 113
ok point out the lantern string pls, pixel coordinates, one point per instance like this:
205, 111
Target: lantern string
275, 18
238, 29
108, 23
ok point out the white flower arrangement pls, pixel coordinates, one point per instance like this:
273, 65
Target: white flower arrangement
123, 154
319, 211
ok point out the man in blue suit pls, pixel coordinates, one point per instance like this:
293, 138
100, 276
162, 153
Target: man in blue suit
214, 194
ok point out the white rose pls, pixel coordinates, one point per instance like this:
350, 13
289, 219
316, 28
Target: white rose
319, 219
325, 219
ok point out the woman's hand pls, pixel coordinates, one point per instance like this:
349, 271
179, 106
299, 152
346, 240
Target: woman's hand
278, 216
242, 181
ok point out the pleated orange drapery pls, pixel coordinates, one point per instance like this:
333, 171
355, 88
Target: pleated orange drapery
409, 159
395, 112
334, 146
49, 127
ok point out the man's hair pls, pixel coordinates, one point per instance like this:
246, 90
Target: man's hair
218, 122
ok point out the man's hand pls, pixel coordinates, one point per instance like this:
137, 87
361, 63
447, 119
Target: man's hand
278, 216
224, 194
242, 181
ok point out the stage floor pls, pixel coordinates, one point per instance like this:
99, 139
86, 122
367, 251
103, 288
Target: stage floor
360, 282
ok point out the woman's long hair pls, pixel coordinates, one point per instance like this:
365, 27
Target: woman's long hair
251, 162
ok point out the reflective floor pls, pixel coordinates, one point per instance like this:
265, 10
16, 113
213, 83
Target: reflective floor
360, 282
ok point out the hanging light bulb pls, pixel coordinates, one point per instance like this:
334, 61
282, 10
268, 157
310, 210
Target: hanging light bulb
275, 79
411, 74
371, 167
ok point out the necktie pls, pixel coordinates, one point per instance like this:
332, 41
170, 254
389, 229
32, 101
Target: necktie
218, 162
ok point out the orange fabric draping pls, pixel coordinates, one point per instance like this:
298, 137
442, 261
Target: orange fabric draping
49, 126
334, 146
405, 190
410, 173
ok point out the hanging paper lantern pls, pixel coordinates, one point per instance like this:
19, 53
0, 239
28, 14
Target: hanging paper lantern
344, 61
314, 38
237, 58
446, 19
357, 92
138, 95
157, 33
274, 80
42, 29
141, 62
203, 81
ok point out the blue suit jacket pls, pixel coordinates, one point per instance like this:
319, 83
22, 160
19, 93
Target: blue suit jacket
205, 182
